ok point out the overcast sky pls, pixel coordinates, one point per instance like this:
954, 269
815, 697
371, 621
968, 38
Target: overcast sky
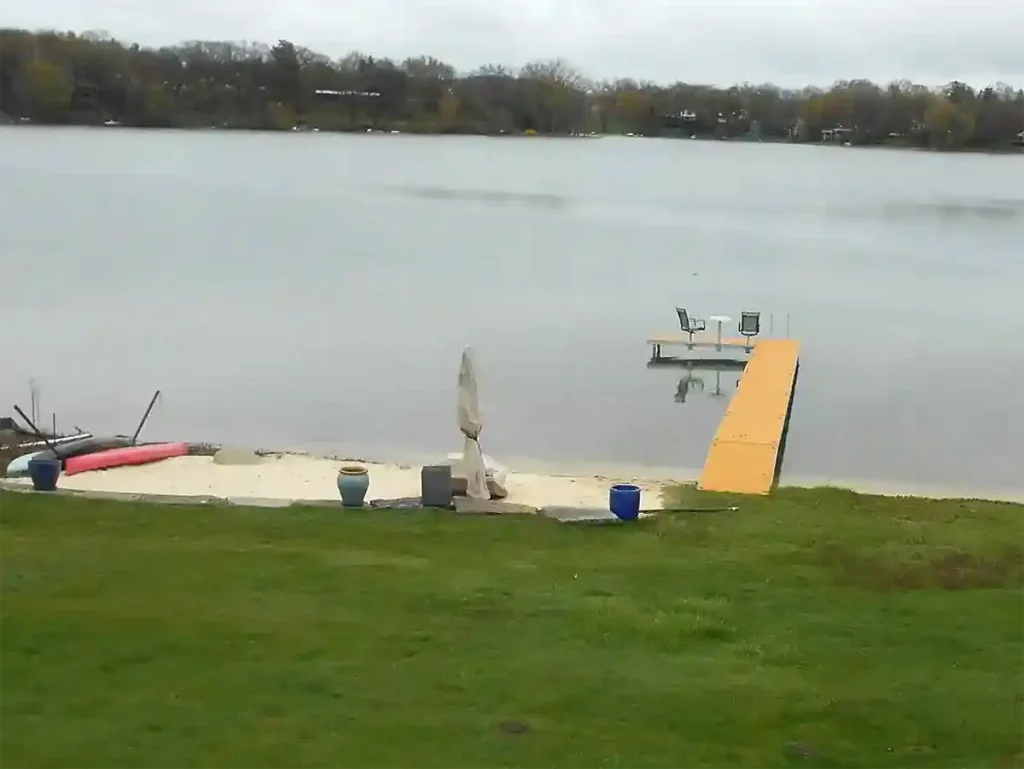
789, 42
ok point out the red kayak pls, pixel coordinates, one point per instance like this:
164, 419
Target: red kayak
131, 455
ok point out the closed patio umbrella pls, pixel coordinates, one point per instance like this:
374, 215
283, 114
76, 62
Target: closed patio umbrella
471, 423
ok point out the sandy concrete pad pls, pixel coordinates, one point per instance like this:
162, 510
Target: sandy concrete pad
297, 477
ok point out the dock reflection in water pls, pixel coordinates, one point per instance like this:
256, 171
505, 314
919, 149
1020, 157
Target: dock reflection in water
715, 377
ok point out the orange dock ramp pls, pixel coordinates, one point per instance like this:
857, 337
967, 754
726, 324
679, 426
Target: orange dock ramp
745, 451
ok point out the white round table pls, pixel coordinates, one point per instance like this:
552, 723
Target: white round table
720, 319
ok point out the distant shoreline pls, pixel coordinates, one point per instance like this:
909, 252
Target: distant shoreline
69, 78
1001, 150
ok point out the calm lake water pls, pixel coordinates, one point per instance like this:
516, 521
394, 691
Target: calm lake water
316, 290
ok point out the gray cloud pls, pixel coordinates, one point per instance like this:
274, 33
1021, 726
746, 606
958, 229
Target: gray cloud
790, 42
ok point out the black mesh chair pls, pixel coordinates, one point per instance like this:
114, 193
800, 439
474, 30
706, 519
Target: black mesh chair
689, 325
750, 326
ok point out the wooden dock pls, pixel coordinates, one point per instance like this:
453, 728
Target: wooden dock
744, 454
701, 340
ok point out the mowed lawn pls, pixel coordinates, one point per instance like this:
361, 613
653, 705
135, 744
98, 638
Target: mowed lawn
812, 628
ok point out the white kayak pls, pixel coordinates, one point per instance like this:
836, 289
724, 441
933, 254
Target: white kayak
19, 465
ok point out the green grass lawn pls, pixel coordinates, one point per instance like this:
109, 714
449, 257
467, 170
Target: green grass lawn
812, 628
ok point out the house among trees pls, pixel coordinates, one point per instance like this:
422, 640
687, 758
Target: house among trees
838, 134
684, 119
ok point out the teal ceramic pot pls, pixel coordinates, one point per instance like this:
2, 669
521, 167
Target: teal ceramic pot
353, 481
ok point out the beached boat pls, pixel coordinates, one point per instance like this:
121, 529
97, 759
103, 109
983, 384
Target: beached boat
57, 441
87, 446
121, 457
19, 465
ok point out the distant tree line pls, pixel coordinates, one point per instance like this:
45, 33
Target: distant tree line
91, 78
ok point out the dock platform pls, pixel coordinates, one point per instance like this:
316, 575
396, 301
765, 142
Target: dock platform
702, 340
745, 452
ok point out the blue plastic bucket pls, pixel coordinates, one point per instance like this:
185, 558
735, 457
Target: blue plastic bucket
44, 473
624, 501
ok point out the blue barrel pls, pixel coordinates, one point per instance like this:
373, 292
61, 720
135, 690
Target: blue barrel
624, 501
44, 473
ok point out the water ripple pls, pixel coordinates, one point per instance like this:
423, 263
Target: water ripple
492, 197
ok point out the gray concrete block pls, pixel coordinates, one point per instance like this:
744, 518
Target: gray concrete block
579, 514
258, 502
175, 499
491, 507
